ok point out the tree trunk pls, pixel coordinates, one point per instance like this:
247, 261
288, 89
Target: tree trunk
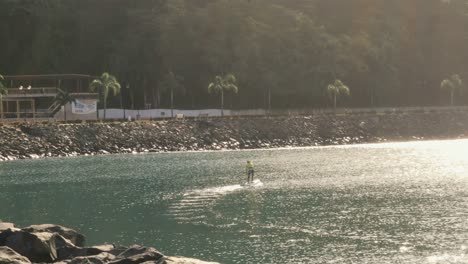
105, 107
144, 97
132, 99
172, 102
451, 97
1, 107
334, 101
121, 104
222, 102
65, 113
269, 100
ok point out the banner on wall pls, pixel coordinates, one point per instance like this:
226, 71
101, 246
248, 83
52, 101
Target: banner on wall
84, 108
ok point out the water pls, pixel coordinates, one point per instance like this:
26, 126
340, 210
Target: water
383, 203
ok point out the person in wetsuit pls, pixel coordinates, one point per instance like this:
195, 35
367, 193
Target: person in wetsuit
249, 169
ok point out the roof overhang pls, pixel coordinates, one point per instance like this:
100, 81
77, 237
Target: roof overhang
48, 77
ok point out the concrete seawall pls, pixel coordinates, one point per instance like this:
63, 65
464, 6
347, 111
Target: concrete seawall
22, 141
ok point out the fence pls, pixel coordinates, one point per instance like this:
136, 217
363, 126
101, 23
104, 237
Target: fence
114, 114
166, 113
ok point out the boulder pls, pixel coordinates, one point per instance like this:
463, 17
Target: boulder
5, 226
69, 252
66, 249
182, 260
76, 238
37, 247
96, 259
138, 254
9, 256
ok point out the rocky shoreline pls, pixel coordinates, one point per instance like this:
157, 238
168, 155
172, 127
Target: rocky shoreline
35, 140
57, 244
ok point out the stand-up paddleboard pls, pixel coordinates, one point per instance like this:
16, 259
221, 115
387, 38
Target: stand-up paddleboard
255, 183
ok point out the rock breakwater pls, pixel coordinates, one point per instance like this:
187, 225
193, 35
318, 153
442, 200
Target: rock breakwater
35, 140
57, 244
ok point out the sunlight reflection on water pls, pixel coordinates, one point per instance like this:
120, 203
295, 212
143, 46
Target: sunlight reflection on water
372, 203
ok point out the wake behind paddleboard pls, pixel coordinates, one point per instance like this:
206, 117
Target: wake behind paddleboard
254, 183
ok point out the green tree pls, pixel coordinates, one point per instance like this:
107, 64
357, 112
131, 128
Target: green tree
452, 84
3, 89
337, 89
173, 83
223, 84
383, 49
62, 98
105, 84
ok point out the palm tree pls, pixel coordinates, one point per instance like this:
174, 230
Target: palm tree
452, 84
105, 84
173, 83
221, 84
337, 89
3, 91
62, 98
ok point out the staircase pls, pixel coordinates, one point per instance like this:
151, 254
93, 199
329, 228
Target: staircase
54, 108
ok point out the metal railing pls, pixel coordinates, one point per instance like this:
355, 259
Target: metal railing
16, 115
53, 108
32, 92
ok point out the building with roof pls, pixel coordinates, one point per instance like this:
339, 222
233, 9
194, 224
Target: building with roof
32, 97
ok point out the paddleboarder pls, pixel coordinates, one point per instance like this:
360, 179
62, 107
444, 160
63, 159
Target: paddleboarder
249, 169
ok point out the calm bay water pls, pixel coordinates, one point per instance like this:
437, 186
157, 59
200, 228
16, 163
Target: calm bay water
383, 203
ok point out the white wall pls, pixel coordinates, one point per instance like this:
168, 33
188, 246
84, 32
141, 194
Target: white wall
166, 113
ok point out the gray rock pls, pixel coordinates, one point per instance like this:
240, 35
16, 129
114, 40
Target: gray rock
71, 252
76, 238
96, 259
182, 260
9, 256
138, 254
5, 226
37, 247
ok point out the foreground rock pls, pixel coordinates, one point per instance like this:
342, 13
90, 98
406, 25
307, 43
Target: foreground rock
58, 244
8, 255
37, 247
5, 226
70, 234
182, 260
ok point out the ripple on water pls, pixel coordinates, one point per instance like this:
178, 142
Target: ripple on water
384, 203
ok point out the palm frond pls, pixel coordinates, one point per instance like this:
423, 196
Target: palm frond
457, 81
225, 83
113, 87
64, 97
106, 83
95, 85
232, 88
105, 76
344, 90
332, 89
213, 88
3, 90
446, 85
337, 88
230, 78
